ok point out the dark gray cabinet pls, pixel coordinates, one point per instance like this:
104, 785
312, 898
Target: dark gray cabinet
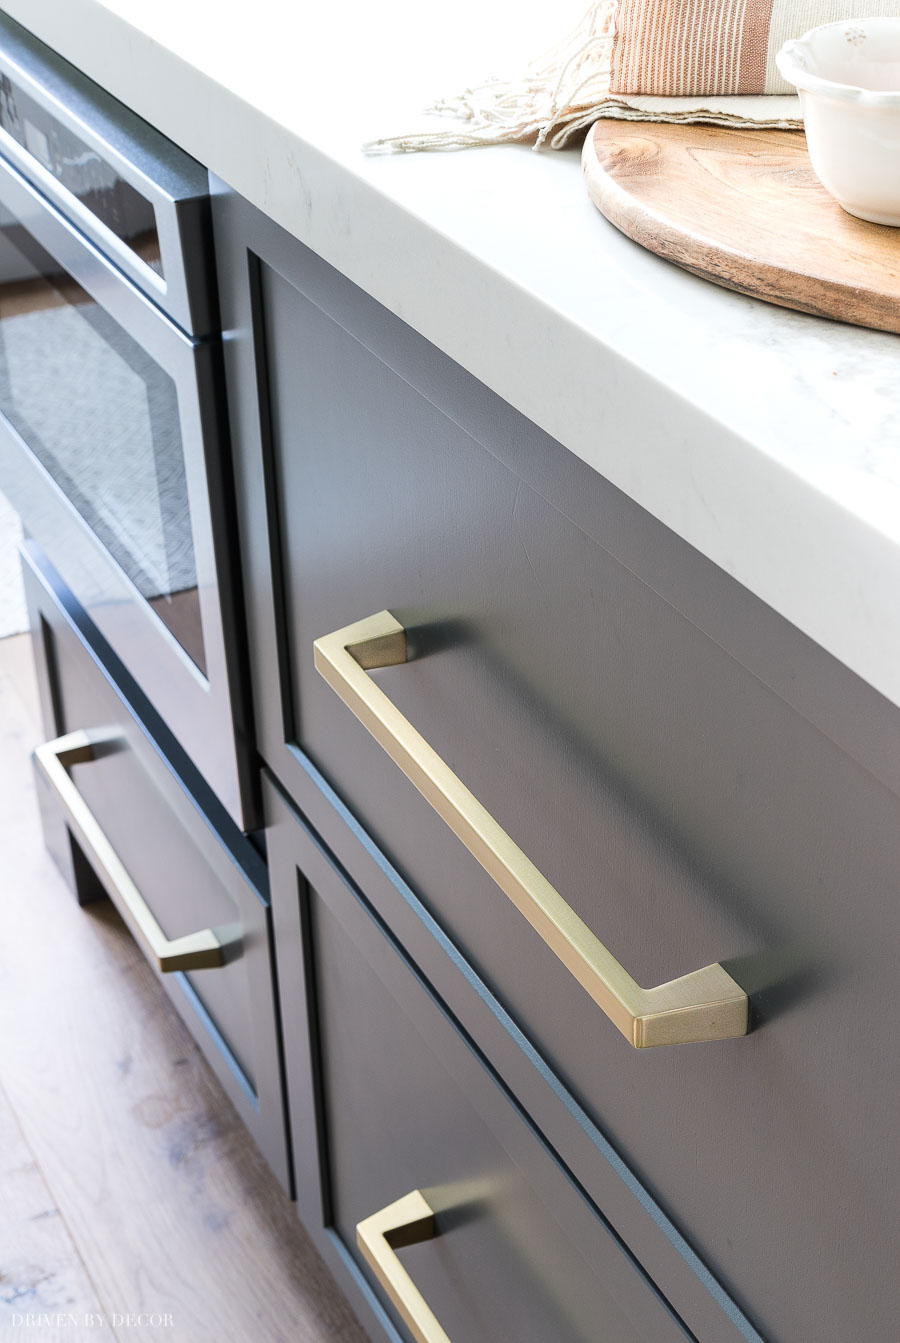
403, 1101
698, 780
177, 845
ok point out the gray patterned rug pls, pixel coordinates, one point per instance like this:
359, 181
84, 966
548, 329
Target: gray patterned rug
13, 615
109, 435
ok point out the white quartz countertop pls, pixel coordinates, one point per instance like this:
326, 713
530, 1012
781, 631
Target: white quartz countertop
767, 439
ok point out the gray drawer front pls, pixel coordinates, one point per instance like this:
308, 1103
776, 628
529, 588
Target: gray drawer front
687, 811
178, 862
404, 1102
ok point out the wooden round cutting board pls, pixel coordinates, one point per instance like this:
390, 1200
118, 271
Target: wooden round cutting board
745, 209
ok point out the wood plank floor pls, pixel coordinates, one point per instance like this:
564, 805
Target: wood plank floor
127, 1183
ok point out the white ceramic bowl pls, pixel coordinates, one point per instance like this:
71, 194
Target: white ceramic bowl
848, 78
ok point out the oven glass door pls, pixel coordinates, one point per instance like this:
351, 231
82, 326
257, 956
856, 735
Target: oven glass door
112, 451
102, 417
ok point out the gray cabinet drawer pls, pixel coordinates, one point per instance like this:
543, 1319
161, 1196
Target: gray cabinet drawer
403, 1102
193, 868
697, 780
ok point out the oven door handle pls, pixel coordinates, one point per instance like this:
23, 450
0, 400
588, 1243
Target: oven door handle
80, 257
68, 204
195, 951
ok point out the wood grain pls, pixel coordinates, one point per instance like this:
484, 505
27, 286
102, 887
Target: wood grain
168, 1204
41, 1272
745, 209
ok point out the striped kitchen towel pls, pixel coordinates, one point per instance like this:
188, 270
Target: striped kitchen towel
696, 48
710, 61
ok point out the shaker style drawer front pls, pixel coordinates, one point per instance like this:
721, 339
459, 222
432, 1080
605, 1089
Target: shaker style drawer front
453, 1218
195, 898
674, 813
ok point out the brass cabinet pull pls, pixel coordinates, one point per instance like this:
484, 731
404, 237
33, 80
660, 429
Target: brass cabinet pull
194, 951
409, 1221
704, 1005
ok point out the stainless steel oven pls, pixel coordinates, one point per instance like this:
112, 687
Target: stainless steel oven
112, 442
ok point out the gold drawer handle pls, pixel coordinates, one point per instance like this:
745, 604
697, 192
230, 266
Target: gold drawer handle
704, 1005
409, 1221
194, 951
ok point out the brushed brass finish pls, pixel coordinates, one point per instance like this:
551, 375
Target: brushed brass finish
705, 1005
195, 951
407, 1222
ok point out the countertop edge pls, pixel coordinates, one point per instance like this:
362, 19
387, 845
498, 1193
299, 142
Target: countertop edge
701, 479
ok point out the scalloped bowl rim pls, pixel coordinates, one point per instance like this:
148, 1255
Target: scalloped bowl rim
804, 79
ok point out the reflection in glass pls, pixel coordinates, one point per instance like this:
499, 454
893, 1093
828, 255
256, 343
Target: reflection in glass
102, 418
82, 171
